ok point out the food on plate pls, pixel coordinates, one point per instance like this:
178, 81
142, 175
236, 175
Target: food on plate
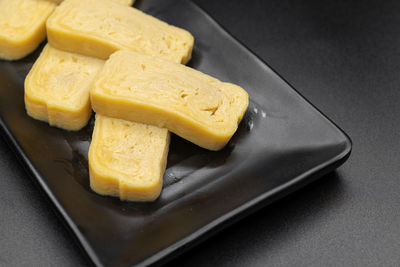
100, 27
140, 93
127, 159
57, 88
22, 26
150, 90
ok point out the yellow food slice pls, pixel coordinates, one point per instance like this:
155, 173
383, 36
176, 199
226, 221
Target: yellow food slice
100, 27
150, 90
57, 88
22, 26
127, 159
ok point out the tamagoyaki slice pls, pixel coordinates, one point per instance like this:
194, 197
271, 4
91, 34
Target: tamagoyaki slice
150, 90
22, 26
57, 88
127, 159
100, 27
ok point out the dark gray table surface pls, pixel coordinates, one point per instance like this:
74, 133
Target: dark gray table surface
344, 56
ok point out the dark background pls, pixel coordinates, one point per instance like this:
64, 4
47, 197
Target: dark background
344, 56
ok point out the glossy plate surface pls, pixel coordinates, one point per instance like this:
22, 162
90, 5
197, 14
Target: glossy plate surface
282, 144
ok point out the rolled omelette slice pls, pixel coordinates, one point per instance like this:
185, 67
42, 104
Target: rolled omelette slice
150, 90
127, 159
57, 88
100, 27
22, 26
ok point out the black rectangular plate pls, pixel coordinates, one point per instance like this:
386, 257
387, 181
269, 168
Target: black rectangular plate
282, 144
